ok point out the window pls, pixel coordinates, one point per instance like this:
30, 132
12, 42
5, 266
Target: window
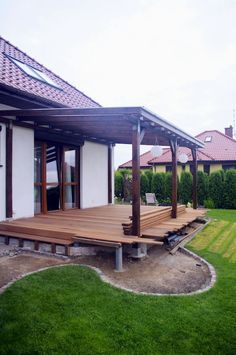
206, 168
168, 168
34, 73
208, 139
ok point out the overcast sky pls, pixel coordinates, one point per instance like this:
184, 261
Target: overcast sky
176, 57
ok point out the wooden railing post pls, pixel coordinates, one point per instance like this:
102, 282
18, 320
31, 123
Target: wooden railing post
136, 179
194, 154
109, 167
174, 148
9, 209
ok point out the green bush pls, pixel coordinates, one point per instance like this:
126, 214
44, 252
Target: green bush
202, 187
149, 174
230, 189
124, 172
119, 182
216, 187
158, 186
144, 185
168, 186
208, 203
186, 187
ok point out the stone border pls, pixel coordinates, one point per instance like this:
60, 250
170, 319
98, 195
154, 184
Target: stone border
105, 279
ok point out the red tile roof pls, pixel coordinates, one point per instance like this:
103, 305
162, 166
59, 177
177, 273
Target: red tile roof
144, 159
221, 148
11, 76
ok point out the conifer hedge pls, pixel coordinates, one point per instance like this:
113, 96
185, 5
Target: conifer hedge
186, 187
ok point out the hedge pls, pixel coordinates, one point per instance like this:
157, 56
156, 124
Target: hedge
216, 188
202, 187
229, 200
158, 186
144, 185
186, 187
215, 191
119, 185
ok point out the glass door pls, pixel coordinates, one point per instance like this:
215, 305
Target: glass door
70, 178
56, 177
53, 177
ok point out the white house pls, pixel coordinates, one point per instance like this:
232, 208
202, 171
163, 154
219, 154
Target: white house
50, 169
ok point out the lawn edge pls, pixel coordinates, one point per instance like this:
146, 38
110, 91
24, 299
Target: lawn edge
105, 279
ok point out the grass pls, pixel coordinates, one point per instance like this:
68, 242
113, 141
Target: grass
69, 310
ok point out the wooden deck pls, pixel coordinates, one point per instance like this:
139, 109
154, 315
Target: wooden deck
99, 226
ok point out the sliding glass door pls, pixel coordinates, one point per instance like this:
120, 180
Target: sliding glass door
56, 177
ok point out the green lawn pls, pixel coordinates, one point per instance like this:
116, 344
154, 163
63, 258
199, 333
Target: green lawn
69, 310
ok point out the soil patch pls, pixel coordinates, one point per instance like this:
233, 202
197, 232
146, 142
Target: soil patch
159, 272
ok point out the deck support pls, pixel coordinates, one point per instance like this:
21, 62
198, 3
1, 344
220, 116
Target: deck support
9, 137
136, 180
174, 148
119, 259
194, 154
109, 167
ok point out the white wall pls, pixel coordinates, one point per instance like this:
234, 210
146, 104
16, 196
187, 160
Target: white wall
94, 175
3, 172
23, 172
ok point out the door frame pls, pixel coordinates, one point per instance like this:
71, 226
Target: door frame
43, 184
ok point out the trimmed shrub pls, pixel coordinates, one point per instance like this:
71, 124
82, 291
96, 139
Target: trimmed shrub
124, 172
202, 187
230, 189
186, 187
168, 186
119, 182
144, 184
216, 188
209, 203
158, 186
149, 174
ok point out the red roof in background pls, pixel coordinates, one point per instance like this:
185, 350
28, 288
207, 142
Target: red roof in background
221, 148
14, 78
144, 158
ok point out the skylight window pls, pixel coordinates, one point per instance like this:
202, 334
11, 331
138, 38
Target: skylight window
34, 73
208, 139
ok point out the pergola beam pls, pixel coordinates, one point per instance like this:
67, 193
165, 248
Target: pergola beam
174, 148
136, 179
194, 154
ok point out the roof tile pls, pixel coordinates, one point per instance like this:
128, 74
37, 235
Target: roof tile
12, 76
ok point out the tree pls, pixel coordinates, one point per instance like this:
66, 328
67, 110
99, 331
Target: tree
168, 186
216, 187
119, 181
230, 189
186, 187
158, 186
149, 174
202, 187
144, 185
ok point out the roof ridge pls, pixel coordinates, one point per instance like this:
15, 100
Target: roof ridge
72, 86
216, 130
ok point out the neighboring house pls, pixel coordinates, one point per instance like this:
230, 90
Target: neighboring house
218, 153
39, 157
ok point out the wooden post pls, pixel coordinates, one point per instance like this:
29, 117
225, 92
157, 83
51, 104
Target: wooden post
9, 210
109, 167
194, 154
136, 179
174, 147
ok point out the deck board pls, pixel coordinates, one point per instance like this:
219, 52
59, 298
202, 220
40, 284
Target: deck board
99, 224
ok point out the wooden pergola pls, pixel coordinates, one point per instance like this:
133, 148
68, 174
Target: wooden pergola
123, 125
